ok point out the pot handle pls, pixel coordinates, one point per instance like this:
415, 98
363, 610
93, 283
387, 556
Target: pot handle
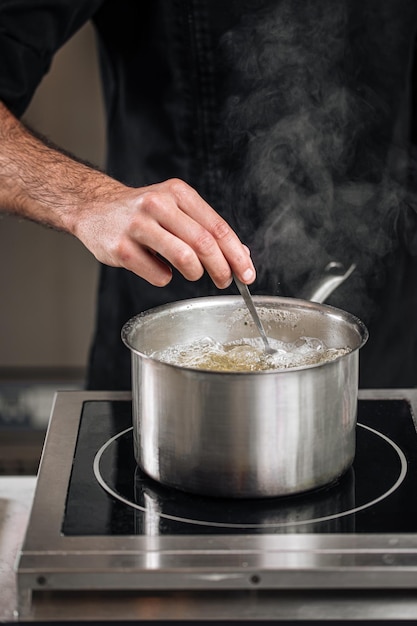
335, 274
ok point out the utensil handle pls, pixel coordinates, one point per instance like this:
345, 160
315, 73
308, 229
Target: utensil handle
246, 295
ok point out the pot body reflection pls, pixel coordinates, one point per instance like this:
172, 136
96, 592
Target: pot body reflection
166, 511
244, 434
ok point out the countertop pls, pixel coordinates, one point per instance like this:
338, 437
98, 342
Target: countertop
16, 495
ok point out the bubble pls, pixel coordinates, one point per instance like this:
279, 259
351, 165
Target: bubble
248, 355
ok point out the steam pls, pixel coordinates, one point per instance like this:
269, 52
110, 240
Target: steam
310, 117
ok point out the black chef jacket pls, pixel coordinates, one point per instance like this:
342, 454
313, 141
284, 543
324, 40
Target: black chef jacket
295, 119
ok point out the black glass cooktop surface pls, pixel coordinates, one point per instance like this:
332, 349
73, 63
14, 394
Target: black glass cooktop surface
109, 495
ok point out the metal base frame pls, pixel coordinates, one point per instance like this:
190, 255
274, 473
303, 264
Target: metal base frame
266, 577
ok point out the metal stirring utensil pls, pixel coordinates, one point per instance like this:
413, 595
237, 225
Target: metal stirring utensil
246, 295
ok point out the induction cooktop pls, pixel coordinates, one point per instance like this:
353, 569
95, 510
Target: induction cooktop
109, 495
98, 522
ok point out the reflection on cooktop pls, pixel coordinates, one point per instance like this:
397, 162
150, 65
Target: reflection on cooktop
110, 495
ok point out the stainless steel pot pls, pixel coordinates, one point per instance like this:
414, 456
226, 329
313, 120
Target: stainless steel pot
256, 434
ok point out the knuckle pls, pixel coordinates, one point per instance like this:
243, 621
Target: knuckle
177, 187
121, 253
184, 256
150, 201
204, 244
221, 230
185, 260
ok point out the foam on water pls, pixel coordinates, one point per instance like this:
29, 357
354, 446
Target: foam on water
248, 355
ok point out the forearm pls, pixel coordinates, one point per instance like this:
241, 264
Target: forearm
41, 183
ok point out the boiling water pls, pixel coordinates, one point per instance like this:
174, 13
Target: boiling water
248, 355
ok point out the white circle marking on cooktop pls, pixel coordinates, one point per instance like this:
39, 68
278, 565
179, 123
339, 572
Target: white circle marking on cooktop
115, 494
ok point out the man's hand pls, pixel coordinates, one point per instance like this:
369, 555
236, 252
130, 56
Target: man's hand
146, 230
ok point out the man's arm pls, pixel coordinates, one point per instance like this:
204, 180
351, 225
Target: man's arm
145, 230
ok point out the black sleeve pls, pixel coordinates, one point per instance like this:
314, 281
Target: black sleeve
31, 31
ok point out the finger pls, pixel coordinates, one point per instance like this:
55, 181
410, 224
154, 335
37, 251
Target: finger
145, 263
180, 239
234, 252
190, 248
174, 246
186, 231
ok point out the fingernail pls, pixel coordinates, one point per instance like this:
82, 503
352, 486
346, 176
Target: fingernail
248, 274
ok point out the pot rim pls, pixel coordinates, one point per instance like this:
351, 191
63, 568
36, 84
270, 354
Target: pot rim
262, 300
